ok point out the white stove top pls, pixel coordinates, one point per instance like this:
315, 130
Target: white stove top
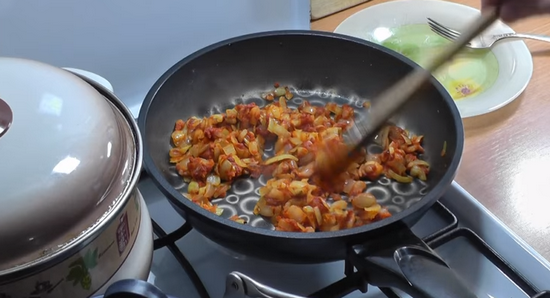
462, 253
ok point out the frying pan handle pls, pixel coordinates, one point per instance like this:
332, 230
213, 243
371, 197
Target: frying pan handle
240, 285
403, 261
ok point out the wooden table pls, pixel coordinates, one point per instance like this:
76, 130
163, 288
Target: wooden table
507, 152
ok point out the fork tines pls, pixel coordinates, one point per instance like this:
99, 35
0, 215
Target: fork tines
443, 30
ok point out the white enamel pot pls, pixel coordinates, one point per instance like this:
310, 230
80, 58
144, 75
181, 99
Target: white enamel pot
70, 159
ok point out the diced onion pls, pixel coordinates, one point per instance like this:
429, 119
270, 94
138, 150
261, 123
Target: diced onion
193, 187
277, 129
281, 157
229, 150
212, 152
318, 215
363, 200
399, 178
280, 91
213, 179
298, 188
342, 205
418, 162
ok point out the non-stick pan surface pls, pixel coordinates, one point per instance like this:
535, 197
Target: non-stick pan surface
319, 67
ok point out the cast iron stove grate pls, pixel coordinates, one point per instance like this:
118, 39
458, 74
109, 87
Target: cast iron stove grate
355, 281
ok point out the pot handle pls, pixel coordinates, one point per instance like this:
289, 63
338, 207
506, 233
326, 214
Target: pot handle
402, 260
133, 288
238, 285
91, 76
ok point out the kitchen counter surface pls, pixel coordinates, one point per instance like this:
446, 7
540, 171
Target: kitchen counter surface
507, 151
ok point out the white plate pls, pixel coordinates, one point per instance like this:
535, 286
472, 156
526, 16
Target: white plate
492, 78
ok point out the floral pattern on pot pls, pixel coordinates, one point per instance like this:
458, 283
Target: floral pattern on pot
85, 272
80, 269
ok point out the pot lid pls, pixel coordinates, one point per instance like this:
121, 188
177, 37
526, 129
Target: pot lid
65, 159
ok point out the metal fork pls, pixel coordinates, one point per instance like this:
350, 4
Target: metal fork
481, 41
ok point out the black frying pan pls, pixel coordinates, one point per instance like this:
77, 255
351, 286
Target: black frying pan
320, 67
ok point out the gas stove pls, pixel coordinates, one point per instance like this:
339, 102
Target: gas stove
485, 253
